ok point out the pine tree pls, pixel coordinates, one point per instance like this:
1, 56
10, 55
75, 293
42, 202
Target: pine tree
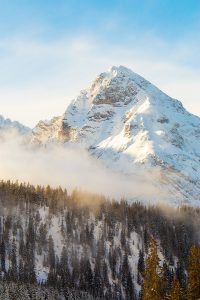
124, 270
153, 279
3, 256
193, 288
64, 270
13, 269
51, 253
176, 290
180, 273
167, 278
98, 280
130, 287
21, 271
140, 267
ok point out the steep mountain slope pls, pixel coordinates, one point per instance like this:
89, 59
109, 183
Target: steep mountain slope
7, 124
129, 123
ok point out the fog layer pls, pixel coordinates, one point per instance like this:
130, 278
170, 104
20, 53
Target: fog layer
71, 168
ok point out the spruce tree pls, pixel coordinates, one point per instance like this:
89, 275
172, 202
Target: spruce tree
51, 254
176, 290
3, 255
193, 288
13, 257
130, 293
153, 279
140, 267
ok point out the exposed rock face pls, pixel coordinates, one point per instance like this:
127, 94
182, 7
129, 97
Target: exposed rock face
127, 122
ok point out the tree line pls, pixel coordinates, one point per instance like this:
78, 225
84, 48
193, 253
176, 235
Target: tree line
87, 243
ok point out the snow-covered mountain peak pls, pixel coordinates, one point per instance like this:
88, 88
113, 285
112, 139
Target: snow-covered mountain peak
117, 86
7, 124
116, 102
122, 71
127, 122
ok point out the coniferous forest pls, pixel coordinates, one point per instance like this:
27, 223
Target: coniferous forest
78, 245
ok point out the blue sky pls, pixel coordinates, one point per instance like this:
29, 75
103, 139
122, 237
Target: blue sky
49, 50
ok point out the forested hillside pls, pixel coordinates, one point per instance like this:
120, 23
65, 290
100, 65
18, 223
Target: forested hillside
85, 246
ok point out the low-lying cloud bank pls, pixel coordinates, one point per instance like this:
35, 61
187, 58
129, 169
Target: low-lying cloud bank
71, 168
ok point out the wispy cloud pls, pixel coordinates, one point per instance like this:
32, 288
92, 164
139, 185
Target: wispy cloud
72, 167
38, 78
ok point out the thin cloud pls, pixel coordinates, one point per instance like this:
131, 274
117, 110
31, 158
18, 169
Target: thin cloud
39, 79
73, 168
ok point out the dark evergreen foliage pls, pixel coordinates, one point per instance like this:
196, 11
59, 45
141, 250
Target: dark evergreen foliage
98, 243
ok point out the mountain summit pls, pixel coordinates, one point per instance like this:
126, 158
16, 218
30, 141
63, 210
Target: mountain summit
127, 122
